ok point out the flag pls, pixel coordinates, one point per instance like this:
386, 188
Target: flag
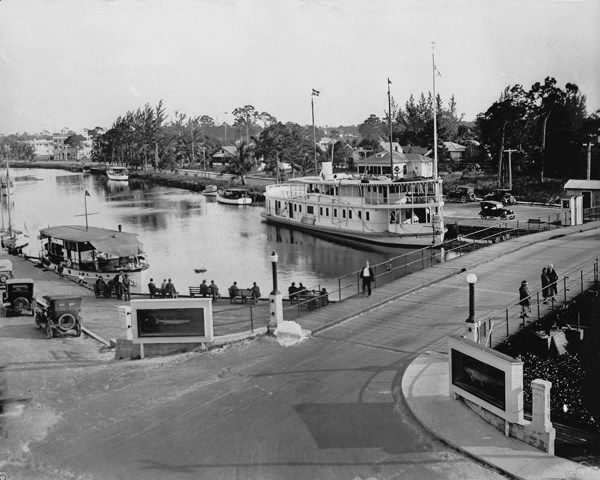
389, 81
437, 71
87, 194
315, 93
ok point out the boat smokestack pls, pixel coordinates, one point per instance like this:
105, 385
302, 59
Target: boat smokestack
327, 171
119, 227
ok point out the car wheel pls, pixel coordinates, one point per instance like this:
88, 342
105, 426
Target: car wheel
472, 197
463, 199
20, 303
49, 331
66, 321
78, 330
482, 216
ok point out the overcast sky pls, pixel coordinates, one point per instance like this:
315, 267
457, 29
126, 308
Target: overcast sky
82, 63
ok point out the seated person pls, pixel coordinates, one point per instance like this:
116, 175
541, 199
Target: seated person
292, 292
324, 296
214, 290
234, 291
255, 292
152, 288
99, 287
204, 291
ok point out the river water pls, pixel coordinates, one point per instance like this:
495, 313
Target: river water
183, 231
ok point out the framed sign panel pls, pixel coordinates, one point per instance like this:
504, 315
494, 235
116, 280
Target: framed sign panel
172, 320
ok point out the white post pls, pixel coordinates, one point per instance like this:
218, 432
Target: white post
275, 299
125, 317
540, 413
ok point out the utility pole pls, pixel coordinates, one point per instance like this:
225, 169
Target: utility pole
589, 159
510, 151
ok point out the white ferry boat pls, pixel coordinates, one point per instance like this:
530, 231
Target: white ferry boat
94, 252
367, 208
117, 173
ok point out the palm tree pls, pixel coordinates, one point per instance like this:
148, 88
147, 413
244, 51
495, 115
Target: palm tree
243, 161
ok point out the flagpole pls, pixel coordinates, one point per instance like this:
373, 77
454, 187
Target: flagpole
85, 206
312, 105
435, 149
391, 131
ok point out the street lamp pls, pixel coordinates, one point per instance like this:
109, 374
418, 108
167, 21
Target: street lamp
472, 327
274, 257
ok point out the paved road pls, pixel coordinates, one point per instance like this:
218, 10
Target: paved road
328, 407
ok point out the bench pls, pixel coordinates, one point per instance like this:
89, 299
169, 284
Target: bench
195, 292
242, 297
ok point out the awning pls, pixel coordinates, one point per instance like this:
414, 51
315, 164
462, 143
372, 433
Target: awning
117, 247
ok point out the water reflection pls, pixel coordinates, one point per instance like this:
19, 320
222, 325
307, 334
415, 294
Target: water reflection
183, 231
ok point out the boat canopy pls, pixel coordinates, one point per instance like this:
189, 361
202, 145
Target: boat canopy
111, 242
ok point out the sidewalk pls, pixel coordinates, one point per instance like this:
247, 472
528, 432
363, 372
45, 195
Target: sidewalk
425, 390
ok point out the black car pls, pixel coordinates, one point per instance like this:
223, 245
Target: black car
493, 209
503, 195
462, 193
18, 297
59, 314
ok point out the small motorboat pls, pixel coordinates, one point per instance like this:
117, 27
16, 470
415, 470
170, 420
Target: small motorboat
210, 191
234, 196
117, 173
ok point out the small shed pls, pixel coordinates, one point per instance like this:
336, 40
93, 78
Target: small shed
588, 189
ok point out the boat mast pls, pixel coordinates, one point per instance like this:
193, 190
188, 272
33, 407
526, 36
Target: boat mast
390, 120
10, 231
435, 149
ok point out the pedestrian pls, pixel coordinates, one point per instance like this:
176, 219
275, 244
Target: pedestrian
61, 270
170, 290
118, 284
214, 290
204, 289
81, 278
99, 287
126, 288
552, 281
367, 276
545, 283
524, 299
255, 290
163, 288
152, 288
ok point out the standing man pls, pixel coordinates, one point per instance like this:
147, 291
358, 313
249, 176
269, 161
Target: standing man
367, 276
126, 288
524, 299
552, 281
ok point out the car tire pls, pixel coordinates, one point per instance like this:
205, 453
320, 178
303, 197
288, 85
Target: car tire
472, 197
66, 321
20, 303
463, 199
49, 332
78, 330
482, 216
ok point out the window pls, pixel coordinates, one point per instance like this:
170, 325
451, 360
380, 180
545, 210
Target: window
335, 213
350, 214
321, 211
310, 209
327, 211
368, 216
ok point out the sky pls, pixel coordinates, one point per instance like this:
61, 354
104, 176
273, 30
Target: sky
82, 63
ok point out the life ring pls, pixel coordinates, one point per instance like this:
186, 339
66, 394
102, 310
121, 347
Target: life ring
69, 264
397, 169
66, 321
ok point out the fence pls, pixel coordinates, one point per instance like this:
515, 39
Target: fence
498, 326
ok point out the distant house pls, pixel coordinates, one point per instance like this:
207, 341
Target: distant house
224, 155
415, 149
588, 189
455, 150
406, 165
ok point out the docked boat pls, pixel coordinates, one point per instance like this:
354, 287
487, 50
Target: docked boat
376, 209
210, 191
234, 196
86, 169
117, 173
94, 252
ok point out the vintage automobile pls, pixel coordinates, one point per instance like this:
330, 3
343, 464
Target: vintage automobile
6, 268
493, 209
18, 298
59, 315
462, 193
503, 195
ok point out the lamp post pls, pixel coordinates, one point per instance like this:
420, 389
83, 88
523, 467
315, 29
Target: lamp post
472, 326
275, 299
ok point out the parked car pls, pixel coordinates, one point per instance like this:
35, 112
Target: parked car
18, 298
59, 314
462, 193
503, 195
6, 268
493, 209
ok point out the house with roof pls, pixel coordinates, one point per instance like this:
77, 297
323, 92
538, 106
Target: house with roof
224, 155
455, 150
588, 189
405, 165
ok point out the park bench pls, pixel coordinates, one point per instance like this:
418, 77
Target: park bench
195, 292
242, 296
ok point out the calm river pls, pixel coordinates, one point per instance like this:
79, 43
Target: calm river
183, 231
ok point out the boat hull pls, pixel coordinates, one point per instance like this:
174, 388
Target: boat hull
388, 240
234, 201
118, 178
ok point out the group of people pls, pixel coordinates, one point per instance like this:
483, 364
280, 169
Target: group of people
549, 279
234, 291
211, 290
120, 284
167, 289
295, 292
